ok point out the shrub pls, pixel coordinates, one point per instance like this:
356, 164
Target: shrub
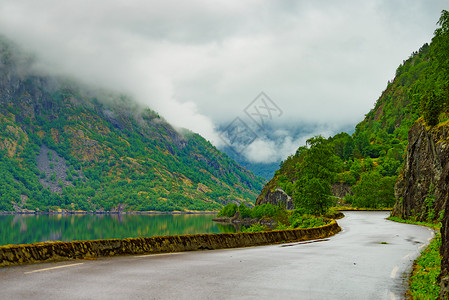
255, 228
245, 211
264, 210
282, 226
306, 221
228, 211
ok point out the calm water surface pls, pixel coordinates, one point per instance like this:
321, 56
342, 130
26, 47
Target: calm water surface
27, 229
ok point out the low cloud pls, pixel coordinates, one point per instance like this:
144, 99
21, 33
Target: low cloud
200, 63
278, 145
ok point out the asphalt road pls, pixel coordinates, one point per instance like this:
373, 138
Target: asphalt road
367, 260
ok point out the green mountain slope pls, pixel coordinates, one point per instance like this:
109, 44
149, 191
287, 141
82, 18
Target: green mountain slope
370, 160
67, 147
378, 143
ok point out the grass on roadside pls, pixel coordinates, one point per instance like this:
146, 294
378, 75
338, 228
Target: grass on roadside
432, 225
350, 208
424, 279
426, 268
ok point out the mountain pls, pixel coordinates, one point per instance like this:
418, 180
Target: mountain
67, 146
377, 145
422, 188
376, 150
399, 154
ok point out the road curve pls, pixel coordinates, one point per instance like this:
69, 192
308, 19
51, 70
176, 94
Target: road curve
367, 260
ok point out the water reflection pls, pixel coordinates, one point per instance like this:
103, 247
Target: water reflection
26, 229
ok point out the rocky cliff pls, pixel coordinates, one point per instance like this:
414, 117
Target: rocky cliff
422, 186
422, 190
276, 197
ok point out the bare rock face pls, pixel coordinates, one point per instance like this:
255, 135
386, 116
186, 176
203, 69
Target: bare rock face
341, 189
54, 170
278, 196
422, 190
422, 187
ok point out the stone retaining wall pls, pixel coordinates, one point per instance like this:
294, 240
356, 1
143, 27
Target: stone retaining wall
54, 251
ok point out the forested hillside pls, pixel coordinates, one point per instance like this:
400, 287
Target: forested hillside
366, 164
63, 146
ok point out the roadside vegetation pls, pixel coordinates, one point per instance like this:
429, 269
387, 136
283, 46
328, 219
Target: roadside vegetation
312, 194
269, 217
426, 269
423, 282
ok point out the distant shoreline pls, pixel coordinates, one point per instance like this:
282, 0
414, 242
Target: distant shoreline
108, 213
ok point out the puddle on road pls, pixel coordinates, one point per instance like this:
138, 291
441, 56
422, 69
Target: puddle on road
412, 241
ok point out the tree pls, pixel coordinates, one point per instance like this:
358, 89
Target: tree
229, 210
432, 108
245, 211
439, 49
344, 145
362, 143
374, 191
389, 167
437, 96
316, 172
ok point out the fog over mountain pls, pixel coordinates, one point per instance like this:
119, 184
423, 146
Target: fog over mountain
202, 64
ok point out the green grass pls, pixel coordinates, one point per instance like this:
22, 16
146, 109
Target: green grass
306, 221
424, 280
255, 228
426, 268
432, 225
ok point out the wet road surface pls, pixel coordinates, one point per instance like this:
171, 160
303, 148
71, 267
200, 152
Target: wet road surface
367, 260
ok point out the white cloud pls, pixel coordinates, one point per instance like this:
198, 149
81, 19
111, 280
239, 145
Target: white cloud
199, 63
277, 145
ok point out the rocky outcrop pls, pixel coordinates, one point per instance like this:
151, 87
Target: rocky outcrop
422, 190
54, 170
422, 187
341, 189
278, 196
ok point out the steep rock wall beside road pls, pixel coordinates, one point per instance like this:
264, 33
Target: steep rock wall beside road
422, 187
422, 190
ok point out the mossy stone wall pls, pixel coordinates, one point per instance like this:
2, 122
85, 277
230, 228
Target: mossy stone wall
54, 251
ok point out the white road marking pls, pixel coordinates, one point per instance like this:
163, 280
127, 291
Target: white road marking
305, 242
53, 268
407, 256
159, 254
392, 296
393, 273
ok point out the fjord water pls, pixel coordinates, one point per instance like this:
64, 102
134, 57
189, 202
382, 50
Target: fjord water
27, 229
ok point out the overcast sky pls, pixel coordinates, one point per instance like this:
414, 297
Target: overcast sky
200, 63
